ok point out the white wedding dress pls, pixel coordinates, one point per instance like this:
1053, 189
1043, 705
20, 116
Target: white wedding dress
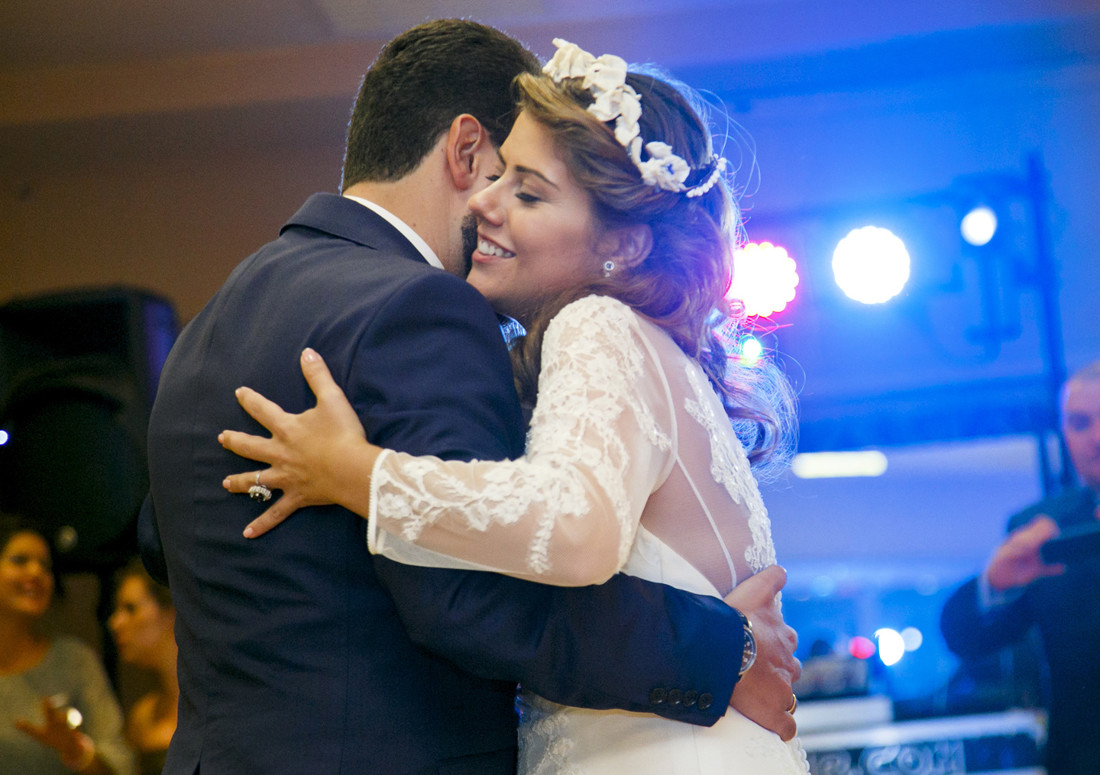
631, 466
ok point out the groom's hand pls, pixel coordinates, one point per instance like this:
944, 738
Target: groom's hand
763, 694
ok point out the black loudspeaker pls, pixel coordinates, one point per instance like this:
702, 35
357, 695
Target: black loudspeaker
78, 374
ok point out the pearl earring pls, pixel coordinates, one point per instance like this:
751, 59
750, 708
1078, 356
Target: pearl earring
608, 268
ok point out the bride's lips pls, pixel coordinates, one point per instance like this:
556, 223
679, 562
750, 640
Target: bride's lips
488, 251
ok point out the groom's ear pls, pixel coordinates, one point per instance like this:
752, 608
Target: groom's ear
627, 246
468, 143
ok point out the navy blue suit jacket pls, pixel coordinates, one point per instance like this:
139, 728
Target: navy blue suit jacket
299, 651
1066, 612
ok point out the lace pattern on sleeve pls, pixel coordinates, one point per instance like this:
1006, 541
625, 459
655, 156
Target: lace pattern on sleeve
591, 450
591, 368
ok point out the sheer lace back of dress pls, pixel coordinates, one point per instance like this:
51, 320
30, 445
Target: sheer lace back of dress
627, 431
708, 510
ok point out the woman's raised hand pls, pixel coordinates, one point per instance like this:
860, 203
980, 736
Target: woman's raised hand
318, 457
61, 733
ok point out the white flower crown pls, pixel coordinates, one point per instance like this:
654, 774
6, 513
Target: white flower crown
614, 100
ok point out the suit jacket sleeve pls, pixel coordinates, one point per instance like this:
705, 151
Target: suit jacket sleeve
973, 631
149, 544
969, 628
425, 392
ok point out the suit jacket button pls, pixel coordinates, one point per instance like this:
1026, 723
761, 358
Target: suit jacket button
706, 699
657, 696
675, 696
690, 696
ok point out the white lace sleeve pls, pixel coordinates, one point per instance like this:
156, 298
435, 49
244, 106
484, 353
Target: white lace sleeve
567, 511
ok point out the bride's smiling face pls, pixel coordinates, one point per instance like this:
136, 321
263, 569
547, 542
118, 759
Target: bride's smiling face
536, 231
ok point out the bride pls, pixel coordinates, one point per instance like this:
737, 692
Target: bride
608, 233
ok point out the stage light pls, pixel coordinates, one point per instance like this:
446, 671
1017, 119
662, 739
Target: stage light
979, 225
861, 647
3, 438
764, 278
891, 646
835, 465
871, 265
913, 638
751, 349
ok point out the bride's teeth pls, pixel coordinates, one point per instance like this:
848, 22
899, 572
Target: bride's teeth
489, 249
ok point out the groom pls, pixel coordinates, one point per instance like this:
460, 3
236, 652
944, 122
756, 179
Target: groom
302, 653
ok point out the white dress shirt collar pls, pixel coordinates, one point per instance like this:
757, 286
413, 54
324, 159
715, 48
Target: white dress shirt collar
417, 241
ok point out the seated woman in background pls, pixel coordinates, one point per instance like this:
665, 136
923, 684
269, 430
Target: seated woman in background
143, 626
58, 713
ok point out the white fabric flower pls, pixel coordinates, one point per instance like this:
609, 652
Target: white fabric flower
569, 61
630, 110
605, 74
605, 105
614, 100
663, 169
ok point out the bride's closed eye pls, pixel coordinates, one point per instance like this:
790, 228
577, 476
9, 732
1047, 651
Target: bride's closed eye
524, 196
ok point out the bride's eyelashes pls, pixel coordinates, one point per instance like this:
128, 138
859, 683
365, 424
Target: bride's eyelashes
523, 196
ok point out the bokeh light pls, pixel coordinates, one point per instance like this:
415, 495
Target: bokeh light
891, 646
764, 278
861, 647
834, 465
751, 349
979, 225
913, 638
871, 265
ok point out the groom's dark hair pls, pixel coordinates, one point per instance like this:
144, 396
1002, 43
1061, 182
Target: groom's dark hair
420, 82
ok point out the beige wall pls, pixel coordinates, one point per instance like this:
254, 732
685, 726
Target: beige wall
170, 225
175, 226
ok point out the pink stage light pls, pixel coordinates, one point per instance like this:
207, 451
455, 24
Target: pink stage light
764, 278
861, 647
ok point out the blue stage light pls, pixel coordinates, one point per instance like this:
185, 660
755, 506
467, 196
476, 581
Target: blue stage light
979, 225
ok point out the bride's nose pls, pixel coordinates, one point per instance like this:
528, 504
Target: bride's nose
485, 205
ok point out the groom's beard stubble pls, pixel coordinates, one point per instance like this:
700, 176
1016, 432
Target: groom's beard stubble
469, 243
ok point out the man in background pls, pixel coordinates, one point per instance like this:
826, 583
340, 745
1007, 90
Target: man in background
1018, 590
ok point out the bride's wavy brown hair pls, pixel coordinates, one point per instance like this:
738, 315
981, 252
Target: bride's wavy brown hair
682, 283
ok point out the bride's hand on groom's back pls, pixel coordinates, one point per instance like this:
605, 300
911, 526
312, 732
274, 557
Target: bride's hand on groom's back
763, 693
317, 457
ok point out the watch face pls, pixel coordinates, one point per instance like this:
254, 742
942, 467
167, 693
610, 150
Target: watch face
748, 654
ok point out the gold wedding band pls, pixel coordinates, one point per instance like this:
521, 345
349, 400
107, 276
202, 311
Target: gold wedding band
794, 703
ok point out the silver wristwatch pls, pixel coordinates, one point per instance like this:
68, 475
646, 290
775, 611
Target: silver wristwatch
748, 654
